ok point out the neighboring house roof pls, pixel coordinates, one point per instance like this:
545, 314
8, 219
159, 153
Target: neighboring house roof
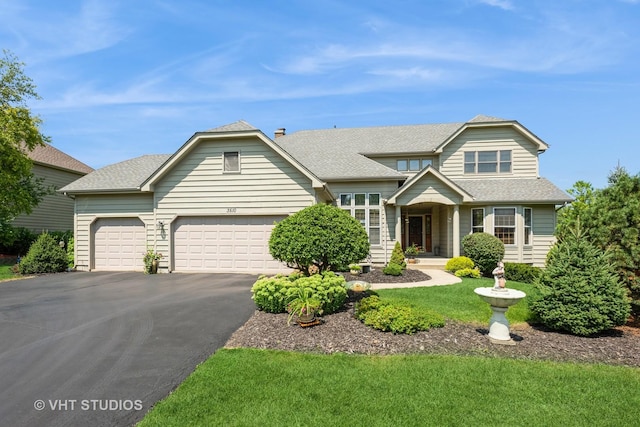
51, 156
124, 176
529, 190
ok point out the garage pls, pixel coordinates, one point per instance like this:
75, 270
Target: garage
119, 244
224, 244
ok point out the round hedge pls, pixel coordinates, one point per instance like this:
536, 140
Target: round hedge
484, 249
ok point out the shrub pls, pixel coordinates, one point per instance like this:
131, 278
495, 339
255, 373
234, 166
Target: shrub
474, 273
271, 294
396, 317
579, 290
17, 240
393, 269
524, 273
397, 256
321, 235
484, 250
458, 263
45, 256
71, 262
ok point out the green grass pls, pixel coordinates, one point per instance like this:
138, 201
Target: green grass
246, 387
459, 302
6, 273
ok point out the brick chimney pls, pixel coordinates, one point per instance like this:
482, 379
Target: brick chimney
279, 132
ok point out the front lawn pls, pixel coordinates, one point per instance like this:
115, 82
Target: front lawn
459, 302
272, 388
6, 273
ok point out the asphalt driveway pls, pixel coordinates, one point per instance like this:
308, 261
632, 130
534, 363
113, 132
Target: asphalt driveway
102, 348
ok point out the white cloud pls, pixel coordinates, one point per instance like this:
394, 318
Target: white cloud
502, 4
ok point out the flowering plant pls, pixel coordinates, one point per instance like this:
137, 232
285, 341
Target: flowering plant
149, 257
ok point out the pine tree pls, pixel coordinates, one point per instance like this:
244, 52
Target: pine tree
580, 291
397, 256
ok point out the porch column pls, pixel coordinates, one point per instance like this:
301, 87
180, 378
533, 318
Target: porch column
398, 224
456, 230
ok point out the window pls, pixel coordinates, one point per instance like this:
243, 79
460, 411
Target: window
487, 161
413, 165
231, 161
365, 207
504, 225
477, 220
528, 230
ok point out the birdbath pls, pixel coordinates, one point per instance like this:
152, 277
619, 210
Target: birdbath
500, 299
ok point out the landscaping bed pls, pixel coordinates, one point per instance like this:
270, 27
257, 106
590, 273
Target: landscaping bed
341, 332
377, 276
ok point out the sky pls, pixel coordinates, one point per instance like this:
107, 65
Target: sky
119, 78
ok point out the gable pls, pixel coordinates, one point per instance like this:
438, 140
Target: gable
429, 186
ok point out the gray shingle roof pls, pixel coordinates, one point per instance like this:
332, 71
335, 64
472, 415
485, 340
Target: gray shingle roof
240, 125
514, 190
343, 153
49, 155
127, 175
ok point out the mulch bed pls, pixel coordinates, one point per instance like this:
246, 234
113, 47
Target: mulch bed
377, 276
342, 333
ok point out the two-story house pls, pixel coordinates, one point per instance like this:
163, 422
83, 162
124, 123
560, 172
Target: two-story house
211, 205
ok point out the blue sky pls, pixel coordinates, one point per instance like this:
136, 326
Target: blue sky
124, 78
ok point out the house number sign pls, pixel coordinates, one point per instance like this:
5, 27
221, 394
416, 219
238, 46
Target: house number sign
231, 210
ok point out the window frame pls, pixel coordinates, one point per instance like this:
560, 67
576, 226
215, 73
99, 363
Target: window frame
504, 228
224, 162
477, 228
502, 164
363, 213
527, 228
404, 165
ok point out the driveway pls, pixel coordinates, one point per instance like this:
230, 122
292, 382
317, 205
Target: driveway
102, 348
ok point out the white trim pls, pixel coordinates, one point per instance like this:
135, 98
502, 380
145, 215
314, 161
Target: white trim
515, 224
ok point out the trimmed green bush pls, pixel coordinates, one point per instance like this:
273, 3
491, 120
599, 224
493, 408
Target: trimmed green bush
44, 256
271, 294
393, 269
474, 273
523, 273
484, 249
319, 236
71, 262
397, 256
458, 263
580, 292
396, 317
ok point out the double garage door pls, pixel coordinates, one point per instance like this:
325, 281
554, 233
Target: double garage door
229, 243
200, 244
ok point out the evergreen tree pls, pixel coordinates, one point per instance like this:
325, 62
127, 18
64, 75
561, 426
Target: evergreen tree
579, 290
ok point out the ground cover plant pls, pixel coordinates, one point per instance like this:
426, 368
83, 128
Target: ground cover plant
269, 388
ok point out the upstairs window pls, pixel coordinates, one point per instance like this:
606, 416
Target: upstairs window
412, 165
479, 162
231, 161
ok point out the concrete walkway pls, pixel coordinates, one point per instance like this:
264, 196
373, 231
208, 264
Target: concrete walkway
438, 278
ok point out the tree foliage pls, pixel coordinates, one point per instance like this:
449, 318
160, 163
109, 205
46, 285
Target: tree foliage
321, 235
580, 291
610, 219
20, 132
484, 249
569, 216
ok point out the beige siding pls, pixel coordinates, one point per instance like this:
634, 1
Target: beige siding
429, 190
197, 186
524, 154
90, 208
543, 222
55, 212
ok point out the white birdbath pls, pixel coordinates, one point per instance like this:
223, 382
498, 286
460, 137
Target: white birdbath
500, 299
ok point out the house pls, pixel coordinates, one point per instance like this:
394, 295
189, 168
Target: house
54, 212
210, 206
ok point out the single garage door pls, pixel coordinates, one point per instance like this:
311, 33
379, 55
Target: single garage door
224, 244
119, 244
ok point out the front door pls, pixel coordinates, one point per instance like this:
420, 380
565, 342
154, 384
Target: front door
415, 231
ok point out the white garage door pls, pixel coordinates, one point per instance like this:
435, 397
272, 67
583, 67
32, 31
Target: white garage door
224, 244
120, 244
